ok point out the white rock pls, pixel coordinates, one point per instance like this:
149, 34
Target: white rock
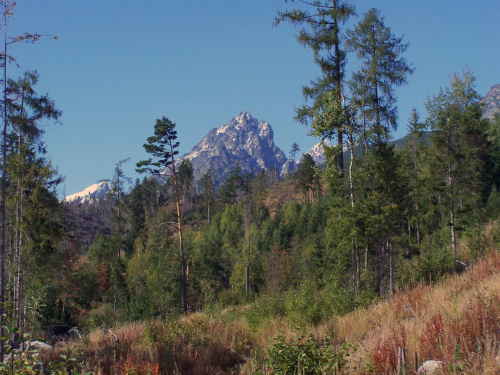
38, 345
430, 367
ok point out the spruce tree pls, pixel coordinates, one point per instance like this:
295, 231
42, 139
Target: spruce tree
7, 8
383, 69
208, 191
305, 175
459, 149
413, 149
32, 182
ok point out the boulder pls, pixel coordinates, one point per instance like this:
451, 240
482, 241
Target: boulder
39, 345
75, 333
430, 367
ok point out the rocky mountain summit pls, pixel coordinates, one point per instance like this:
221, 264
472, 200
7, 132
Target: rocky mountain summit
90, 194
491, 102
245, 140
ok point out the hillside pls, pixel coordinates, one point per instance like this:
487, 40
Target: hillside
455, 322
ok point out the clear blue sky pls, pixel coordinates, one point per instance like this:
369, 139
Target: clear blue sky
120, 65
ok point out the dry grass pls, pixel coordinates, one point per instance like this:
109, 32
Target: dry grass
457, 322
195, 344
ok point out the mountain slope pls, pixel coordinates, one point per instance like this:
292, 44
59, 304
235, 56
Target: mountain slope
92, 193
491, 102
244, 140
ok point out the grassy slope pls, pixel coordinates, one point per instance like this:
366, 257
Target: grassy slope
456, 321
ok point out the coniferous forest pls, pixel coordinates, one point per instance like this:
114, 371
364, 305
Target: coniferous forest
382, 258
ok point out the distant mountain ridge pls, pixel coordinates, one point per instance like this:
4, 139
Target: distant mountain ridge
249, 142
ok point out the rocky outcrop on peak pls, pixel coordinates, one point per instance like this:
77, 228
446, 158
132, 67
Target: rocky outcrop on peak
244, 140
317, 153
491, 102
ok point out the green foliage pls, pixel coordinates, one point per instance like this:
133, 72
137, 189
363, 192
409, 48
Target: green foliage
101, 317
305, 355
382, 69
67, 364
21, 362
265, 309
162, 146
229, 191
322, 32
305, 175
294, 149
304, 306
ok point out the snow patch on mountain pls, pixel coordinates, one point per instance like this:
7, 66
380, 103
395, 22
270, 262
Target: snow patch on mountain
92, 193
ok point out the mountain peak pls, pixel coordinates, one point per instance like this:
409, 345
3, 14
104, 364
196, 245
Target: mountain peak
92, 193
491, 102
244, 140
244, 115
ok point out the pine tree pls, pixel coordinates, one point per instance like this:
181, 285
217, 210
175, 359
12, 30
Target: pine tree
293, 151
163, 147
383, 69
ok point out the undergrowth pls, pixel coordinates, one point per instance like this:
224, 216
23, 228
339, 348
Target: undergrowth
456, 322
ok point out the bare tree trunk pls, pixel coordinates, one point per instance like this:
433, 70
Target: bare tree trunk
351, 170
452, 222
366, 257
417, 227
363, 115
391, 265
179, 228
4, 187
452, 205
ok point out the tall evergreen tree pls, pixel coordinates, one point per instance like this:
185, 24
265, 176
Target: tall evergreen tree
208, 191
118, 183
306, 175
323, 34
163, 147
293, 151
32, 181
459, 153
7, 8
229, 191
414, 147
383, 69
